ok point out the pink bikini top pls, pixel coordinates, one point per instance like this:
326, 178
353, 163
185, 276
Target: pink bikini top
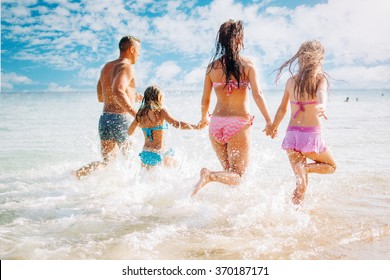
232, 84
301, 106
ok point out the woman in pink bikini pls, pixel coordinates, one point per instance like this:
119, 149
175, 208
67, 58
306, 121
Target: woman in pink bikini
306, 92
230, 74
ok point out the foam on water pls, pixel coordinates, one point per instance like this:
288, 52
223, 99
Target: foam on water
126, 212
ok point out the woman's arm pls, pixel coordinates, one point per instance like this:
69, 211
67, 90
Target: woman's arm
257, 94
205, 105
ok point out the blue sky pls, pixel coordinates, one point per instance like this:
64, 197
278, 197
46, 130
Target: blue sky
58, 45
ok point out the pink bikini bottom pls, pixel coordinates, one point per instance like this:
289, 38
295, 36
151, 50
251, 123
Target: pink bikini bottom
224, 128
304, 139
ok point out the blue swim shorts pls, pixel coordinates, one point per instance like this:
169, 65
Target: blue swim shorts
114, 127
153, 158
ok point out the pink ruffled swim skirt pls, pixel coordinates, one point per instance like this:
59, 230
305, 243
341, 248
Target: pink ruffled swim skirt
304, 139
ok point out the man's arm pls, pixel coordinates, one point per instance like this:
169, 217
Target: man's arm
99, 91
119, 86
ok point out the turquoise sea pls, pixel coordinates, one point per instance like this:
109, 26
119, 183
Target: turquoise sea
124, 212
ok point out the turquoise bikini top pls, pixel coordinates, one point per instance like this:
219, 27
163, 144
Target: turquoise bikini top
149, 130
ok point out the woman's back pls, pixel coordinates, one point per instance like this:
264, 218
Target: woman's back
232, 99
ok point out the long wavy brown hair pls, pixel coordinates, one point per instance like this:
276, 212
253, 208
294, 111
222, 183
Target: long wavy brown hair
152, 100
228, 44
310, 57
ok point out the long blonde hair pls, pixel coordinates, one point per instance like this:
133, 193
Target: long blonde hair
152, 100
310, 56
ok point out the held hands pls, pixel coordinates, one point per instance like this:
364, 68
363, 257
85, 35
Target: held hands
321, 108
270, 130
203, 123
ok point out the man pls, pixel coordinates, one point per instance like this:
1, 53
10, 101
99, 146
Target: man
116, 89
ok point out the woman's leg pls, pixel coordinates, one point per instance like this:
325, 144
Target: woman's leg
221, 152
234, 158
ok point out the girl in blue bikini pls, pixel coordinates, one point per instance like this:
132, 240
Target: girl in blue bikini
154, 119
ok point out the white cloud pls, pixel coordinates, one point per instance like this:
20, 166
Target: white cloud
166, 72
71, 36
20, 11
9, 79
89, 76
24, 2
140, 5
194, 76
375, 77
53, 87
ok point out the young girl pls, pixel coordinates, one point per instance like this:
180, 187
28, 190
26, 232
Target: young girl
154, 119
306, 91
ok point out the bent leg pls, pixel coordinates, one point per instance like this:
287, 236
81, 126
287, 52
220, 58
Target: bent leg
221, 152
87, 169
324, 163
108, 151
238, 151
233, 157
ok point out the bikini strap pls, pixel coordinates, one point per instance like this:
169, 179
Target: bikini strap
149, 130
301, 106
231, 84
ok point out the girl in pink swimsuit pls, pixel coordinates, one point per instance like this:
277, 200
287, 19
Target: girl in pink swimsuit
306, 91
230, 74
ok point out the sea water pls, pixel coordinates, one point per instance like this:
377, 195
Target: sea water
126, 212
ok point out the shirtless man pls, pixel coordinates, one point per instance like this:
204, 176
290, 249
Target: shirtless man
116, 89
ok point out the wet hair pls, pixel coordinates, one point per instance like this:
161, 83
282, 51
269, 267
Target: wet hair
229, 42
126, 42
152, 101
309, 56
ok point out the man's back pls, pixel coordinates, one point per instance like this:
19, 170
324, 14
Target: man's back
111, 71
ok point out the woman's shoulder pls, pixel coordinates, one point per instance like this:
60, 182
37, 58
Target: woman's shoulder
291, 80
247, 61
215, 64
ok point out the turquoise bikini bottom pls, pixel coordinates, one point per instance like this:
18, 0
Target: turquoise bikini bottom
154, 158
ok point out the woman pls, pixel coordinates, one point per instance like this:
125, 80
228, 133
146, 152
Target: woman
230, 74
306, 91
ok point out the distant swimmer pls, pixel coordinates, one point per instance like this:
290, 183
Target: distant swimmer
153, 118
116, 89
306, 92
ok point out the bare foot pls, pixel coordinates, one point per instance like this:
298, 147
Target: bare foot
204, 179
78, 174
299, 192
